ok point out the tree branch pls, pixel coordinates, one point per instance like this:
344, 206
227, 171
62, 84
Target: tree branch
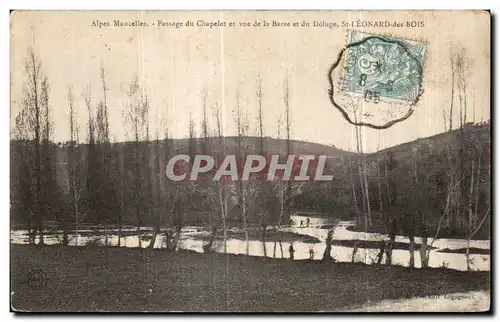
481, 223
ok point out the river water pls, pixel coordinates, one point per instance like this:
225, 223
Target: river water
191, 239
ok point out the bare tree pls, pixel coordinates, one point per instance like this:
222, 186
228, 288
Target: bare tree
262, 184
75, 182
22, 171
260, 117
92, 166
473, 221
208, 185
51, 194
32, 105
243, 186
453, 75
468, 157
136, 117
158, 182
354, 194
362, 171
34, 128
288, 127
120, 171
279, 188
221, 186
285, 189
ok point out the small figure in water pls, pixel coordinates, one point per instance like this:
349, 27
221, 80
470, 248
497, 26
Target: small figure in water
311, 253
301, 224
291, 250
381, 252
307, 222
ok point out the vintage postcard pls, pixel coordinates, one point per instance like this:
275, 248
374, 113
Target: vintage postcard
250, 161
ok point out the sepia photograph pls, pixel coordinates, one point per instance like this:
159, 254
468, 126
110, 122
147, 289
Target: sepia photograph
250, 161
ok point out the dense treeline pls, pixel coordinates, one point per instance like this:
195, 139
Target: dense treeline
428, 188
391, 178
94, 180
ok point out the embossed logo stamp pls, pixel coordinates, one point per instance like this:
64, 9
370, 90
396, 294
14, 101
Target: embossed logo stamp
37, 279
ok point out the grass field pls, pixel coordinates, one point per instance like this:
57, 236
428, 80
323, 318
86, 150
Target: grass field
85, 279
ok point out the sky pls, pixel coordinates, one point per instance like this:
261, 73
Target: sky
175, 66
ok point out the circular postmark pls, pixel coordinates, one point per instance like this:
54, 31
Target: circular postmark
37, 279
377, 80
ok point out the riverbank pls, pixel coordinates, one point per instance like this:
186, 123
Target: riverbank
131, 279
444, 232
256, 234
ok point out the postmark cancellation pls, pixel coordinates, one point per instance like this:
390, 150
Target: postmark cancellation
383, 68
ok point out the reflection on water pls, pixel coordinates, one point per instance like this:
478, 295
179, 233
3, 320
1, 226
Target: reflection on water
190, 240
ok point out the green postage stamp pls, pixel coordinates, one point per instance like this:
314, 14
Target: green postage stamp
383, 68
